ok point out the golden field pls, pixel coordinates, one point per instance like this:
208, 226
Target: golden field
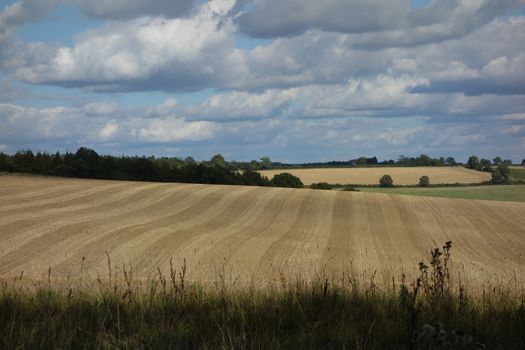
247, 234
370, 176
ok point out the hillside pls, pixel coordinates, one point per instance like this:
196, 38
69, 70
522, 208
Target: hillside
246, 233
401, 175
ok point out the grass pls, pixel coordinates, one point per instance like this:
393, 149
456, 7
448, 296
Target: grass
428, 314
518, 173
513, 193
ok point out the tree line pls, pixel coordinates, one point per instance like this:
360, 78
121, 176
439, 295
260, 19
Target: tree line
421, 160
86, 163
498, 167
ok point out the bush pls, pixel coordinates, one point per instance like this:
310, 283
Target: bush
424, 181
286, 180
386, 181
501, 175
321, 186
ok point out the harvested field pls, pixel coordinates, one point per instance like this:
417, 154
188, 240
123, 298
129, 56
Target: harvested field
370, 176
247, 233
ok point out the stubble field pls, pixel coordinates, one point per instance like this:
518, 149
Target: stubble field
370, 176
247, 234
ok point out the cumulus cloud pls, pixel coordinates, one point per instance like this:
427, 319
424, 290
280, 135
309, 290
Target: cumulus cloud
171, 54
74, 125
275, 18
240, 104
171, 129
379, 23
100, 108
125, 9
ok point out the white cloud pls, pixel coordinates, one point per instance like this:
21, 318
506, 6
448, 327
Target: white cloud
378, 23
170, 129
174, 53
271, 18
165, 108
240, 104
124, 9
21, 124
109, 130
399, 137
100, 108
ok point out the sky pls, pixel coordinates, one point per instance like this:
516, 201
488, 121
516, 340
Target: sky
295, 80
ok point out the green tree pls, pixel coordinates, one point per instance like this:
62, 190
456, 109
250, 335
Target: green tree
360, 161
497, 178
265, 163
189, 160
286, 180
473, 162
424, 181
523, 162
218, 161
450, 161
497, 160
386, 181
321, 186
501, 174
485, 165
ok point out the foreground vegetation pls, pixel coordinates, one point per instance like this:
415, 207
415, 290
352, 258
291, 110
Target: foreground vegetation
513, 193
168, 313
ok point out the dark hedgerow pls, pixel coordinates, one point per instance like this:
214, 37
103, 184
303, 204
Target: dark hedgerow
321, 186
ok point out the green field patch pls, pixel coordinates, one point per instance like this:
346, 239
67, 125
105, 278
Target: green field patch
518, 174
514, 193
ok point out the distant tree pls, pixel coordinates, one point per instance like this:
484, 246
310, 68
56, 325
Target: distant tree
504, 169
24, 161
372, 161
523, 162
438, 161
360, 161
501, 174
473, 162
253, 178
497, 178
286, 180
507, 161
424, 160
254, 165
218, 161
485, 165
424, 181
450, 161
189, 160
265, 163
5, 162
497, 160
386, 181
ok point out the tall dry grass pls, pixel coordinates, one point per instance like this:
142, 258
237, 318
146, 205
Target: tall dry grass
118, 311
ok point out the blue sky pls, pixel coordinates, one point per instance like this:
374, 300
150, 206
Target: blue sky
296, 80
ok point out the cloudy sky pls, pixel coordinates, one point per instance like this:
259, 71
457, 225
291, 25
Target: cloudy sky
296, 80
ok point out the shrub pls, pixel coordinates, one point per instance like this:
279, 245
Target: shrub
386, 181
501, 175
424, 181
286, 180
321, 186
